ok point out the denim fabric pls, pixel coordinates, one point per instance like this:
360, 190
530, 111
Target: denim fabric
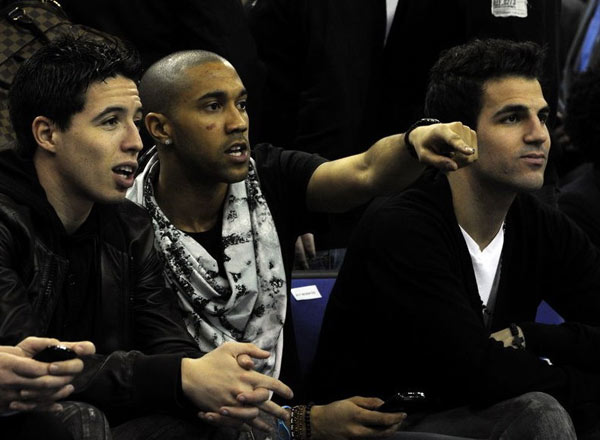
531, 416
163, 427
84, 421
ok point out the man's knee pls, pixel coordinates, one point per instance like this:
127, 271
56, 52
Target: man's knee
540, 416
85, 421
538, 403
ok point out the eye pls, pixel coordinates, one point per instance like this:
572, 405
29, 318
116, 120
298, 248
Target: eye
242, 105
111, 122
511, 119
212, 106
138, 123
543, 118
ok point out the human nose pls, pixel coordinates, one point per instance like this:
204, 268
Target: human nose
132, 141
237, 120
537, 132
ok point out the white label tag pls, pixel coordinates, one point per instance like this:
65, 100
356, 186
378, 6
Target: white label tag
306, 292
509, 8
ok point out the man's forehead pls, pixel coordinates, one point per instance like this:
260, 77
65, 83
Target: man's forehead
112, 90
513, 90
213, 76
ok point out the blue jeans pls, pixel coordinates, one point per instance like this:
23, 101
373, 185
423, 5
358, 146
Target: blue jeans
84, 421
531, 416
162, 427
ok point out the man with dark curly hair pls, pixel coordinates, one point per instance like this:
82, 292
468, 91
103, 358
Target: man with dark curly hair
441, 284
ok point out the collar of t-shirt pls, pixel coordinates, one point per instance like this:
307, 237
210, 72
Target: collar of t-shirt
390, 9
486, 265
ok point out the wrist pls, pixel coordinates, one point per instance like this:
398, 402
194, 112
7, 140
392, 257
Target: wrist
185, 367
301, 423
518, 340
316, 419
420, 123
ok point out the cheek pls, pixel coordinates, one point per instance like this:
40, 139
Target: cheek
210, 127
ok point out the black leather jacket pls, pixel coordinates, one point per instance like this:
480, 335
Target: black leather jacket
137, 313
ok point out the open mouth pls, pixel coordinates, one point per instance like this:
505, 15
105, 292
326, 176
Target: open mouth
237, 150
124, 170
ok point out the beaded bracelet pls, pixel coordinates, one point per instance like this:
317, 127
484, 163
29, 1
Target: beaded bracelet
296, 422
307, 426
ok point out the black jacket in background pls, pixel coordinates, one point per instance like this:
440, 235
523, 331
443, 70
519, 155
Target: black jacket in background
136, 313
580, 200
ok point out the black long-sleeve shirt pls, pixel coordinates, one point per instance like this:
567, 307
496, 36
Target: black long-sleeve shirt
405, 311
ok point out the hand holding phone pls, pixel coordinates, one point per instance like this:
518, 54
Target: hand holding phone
408, 402
55, 353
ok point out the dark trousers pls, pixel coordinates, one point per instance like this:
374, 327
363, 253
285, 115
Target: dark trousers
531, 416
33, 426
80, 421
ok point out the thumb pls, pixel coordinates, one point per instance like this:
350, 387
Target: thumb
252, 350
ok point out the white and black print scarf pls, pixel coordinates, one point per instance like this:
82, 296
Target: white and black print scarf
249, 304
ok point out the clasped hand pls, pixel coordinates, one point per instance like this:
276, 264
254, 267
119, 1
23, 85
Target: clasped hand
227, 391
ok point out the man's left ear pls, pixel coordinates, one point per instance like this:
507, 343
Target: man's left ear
45, 133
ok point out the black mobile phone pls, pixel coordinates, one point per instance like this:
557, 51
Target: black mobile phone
55, 353
407, 401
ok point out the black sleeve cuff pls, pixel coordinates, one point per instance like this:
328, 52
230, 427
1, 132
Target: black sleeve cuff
157, 382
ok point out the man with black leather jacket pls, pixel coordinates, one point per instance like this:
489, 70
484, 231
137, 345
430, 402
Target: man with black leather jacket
77, 261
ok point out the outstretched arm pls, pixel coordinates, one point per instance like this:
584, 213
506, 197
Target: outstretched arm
388, 167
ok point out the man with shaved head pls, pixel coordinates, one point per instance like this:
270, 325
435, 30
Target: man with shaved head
77, 262
226, 217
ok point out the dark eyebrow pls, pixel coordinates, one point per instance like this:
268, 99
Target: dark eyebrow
107, 110
115, 109
219, 94
544, 110
513, 108
519, 108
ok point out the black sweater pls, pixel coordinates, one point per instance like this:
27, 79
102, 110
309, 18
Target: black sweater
405, 311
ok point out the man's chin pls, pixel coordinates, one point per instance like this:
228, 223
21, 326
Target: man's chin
238, 177
533, 185
108, 199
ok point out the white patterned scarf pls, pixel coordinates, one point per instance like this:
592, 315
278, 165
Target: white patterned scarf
249, 304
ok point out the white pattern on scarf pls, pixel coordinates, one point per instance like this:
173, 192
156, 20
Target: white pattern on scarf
248, 305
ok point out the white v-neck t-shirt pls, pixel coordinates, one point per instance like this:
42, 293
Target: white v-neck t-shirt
486, 265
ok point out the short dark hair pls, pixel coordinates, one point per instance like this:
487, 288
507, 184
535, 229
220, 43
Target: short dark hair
164, 80
582, 113
54, 81
456, 80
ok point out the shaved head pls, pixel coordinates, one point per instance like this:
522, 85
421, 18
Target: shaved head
164, 80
